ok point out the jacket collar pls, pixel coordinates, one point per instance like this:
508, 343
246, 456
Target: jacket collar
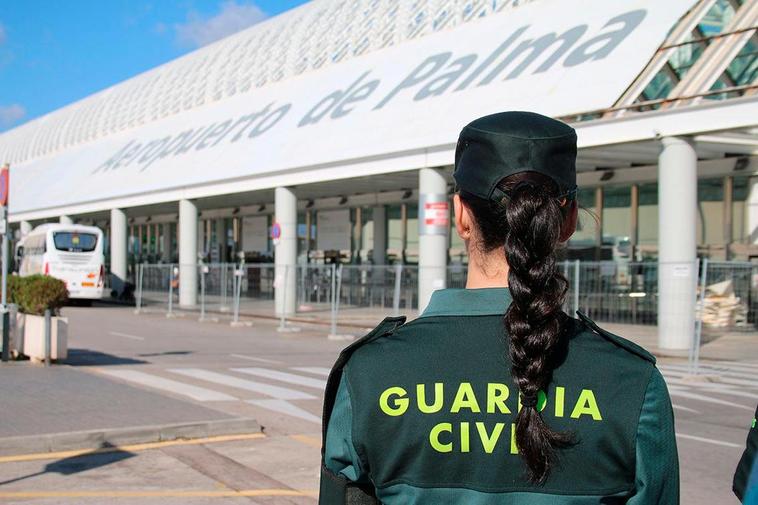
468, 302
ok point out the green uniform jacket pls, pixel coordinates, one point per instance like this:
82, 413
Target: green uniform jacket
425, 414
746, 465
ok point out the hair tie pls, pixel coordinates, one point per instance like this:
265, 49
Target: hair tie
529, 400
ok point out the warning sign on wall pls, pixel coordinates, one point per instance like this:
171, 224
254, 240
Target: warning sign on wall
434, 218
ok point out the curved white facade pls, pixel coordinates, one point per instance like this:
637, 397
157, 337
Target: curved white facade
313, 37
242, 113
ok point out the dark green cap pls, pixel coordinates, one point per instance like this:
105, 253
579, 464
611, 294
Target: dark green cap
496, 146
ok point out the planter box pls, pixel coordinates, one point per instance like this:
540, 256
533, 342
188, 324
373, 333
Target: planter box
31, 337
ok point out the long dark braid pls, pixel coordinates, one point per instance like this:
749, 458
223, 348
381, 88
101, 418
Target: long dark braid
528, 225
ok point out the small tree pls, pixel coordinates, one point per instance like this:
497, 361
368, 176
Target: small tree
35, 293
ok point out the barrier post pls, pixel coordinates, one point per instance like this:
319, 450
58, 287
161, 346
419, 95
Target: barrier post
48, 331
223, 307
172, 275
203, 271
398, 286
140, 272
576, 286
238, 273
338, 287
283, 317
695, 349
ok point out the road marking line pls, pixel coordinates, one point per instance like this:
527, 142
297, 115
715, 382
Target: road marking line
285, 407
253, 358
708, 399
248, 385
200, 493
686, 409
130, 448
307, 440
126, 335
315, 370
708, 440
716, 371
715, 387
172, 386
284, 377
722, 379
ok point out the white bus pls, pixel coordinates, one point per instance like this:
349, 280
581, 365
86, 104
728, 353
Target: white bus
70, 252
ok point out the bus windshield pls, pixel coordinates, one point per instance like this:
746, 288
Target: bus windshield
72, 241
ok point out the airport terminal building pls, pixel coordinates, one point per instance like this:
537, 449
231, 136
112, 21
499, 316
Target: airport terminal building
327, 134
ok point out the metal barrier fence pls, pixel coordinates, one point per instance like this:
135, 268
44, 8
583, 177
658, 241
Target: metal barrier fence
615, 292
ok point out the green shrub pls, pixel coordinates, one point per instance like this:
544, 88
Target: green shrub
35, 293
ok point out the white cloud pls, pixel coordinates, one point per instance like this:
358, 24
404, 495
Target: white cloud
3, 34
11, 114
198, 30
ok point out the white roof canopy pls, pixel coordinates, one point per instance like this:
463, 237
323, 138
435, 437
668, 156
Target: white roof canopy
395, 108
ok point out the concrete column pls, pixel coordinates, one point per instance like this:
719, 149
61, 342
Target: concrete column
434, 225
187, 253
66, 220
166, 242
221, 239
379, 254
677, 247
752, 212
119, 250
26, 228
285, 252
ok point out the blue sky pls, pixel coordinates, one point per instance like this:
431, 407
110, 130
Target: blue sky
55, 52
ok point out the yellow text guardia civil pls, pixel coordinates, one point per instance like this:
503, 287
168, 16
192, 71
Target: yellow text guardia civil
395, 401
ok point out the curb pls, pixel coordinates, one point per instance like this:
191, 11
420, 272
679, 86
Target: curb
96, 439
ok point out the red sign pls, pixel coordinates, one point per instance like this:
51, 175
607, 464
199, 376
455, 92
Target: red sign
436, 214
4, 185
276, 231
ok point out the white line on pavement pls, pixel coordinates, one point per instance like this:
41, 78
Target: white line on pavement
722, 379
284, 377
180, 388
315, 370
686, 409
254, 358
708, 440
708, 399
716, 371
277, 392
126, 335
286, 407
715, 387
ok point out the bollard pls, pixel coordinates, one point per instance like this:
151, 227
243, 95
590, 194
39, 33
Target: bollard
6, 333
48, 331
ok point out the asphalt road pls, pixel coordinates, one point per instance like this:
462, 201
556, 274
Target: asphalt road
278, 378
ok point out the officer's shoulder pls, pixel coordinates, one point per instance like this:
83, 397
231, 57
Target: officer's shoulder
383, 330
591, 327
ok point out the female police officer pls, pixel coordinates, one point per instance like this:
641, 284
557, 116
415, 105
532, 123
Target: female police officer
494, 395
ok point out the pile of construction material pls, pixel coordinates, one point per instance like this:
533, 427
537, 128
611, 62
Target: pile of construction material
722, 308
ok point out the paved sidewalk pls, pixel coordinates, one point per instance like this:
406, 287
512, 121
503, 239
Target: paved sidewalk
57, 406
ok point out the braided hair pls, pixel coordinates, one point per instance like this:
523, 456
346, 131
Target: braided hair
527, 224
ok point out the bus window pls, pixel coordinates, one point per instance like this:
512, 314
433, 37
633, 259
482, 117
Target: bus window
74, 242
